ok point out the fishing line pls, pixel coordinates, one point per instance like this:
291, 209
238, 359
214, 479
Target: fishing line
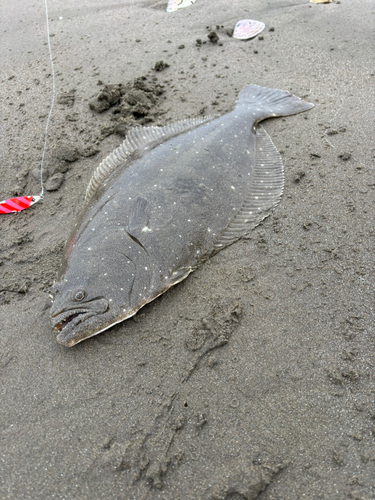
14, 205
52, 103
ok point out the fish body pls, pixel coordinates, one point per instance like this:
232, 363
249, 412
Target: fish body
163, 203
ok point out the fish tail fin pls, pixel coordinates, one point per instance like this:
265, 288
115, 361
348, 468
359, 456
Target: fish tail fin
267, 103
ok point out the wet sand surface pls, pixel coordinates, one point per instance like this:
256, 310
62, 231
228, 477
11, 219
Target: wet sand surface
157, 407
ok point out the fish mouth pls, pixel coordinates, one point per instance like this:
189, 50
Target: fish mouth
71, 319
71, 325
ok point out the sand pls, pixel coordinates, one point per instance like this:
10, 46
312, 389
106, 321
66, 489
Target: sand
282, 407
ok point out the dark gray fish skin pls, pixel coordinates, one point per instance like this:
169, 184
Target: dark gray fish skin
167, 209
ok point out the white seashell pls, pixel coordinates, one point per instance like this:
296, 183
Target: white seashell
247, 28
178, 4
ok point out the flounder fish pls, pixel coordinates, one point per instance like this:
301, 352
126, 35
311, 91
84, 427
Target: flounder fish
163, 203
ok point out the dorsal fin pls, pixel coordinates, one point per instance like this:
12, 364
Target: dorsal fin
265, 190
138, 141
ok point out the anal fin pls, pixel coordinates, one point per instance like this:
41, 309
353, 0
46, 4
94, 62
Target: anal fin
265, 190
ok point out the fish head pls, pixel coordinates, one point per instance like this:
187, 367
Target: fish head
101, 285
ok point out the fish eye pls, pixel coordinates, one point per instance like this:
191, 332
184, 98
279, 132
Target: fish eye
80, 295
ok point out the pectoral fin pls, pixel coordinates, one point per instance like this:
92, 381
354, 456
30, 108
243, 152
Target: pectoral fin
139, 216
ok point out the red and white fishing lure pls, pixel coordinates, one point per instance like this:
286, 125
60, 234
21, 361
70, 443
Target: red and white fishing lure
13, 205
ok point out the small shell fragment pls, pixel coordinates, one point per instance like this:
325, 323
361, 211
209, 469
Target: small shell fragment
13, 205
178, 4
247, 28
320, 1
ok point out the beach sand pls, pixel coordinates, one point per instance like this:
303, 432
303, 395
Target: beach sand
153, 408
